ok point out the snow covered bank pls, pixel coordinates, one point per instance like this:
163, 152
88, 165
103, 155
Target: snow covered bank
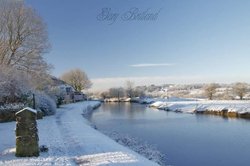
89, 109
123, 99
141, 147
149, 100
226, 108
70, 141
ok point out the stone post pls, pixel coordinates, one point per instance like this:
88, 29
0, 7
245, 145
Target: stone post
26, 133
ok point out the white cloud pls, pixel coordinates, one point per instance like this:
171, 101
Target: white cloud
152, 64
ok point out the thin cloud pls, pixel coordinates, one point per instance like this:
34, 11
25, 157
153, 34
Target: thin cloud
152, 64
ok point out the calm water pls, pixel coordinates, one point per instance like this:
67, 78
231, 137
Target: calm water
186, 139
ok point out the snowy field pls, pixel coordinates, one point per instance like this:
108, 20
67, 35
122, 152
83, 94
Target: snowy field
71, 141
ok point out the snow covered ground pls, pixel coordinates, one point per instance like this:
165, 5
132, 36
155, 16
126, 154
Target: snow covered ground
240, 107
71, 141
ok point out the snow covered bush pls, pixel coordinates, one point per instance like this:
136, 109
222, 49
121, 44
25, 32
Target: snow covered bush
14, 85
57, 94
45, 103
7, 111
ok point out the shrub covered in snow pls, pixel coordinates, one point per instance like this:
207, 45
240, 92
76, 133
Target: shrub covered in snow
57, 94
14, 86
45, 103
13, 106
7, 111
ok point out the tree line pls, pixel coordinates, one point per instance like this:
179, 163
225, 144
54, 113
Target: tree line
209, 91
130, 91
239, 89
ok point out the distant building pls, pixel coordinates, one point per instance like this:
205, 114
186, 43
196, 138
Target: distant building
69, 93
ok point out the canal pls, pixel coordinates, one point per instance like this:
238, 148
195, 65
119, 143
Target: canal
185, 139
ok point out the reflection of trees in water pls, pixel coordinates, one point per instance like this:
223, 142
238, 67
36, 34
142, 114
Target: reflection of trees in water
201, 118
123, 109
131, 109
211, 118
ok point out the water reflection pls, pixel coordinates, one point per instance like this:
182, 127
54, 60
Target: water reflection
208, 118
122, 109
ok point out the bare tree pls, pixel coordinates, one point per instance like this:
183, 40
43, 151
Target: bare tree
240, 89
77, 78
104, 94
210, 90
130, 88
23, 38
139, 92
117, 92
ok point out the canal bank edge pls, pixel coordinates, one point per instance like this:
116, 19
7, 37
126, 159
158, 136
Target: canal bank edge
230, 109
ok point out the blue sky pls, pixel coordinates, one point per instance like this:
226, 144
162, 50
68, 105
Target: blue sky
190, 41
